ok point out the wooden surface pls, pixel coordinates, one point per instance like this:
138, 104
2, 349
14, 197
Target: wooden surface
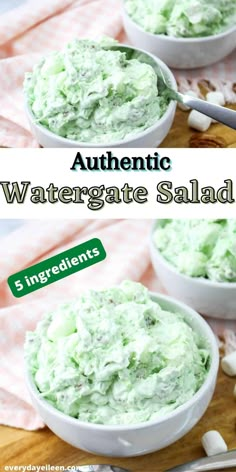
180, 134
19, 447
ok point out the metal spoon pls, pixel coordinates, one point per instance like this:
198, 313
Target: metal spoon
227, 460
218, 113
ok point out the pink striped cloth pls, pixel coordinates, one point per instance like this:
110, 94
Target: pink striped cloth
36, 28
220, 76
126, 244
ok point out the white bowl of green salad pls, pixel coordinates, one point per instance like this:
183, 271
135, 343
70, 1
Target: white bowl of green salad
195, 261
92, 95
121, 371
183, 34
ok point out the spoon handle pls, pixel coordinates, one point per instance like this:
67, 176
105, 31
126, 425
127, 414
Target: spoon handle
226, 460
218, 113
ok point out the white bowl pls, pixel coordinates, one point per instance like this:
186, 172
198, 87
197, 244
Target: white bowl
181, 53
149, 138
213, 299
141, 438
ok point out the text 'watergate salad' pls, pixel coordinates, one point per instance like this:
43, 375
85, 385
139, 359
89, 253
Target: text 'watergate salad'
91, 93
199, 248
116, 357
183, 18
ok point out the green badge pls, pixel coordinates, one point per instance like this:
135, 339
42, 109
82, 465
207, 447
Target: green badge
57, 267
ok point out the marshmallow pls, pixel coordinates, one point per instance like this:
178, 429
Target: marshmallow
213, 443
199, 121
216, 97
228, 364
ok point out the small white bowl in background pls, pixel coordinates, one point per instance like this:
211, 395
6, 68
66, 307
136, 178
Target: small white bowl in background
149, 138
213, 299
181, 53
142, 438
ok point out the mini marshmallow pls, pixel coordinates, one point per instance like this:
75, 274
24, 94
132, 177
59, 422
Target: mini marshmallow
199, 121
213, 443
184, 107
217, 98
228, 364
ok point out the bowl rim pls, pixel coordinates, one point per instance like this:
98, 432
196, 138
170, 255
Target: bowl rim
172, 268
177, 39
166, 116
212, 373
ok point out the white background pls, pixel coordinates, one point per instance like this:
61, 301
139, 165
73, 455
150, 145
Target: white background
42, 166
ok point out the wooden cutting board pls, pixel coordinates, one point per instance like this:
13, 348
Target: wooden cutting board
18, 447
181, 136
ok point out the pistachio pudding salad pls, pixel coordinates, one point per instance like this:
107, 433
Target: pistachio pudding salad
199, 248
184, 34
91, 93
116, 357
183, 18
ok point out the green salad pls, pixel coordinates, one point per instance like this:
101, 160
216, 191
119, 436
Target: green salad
199, 248
116, 357
183, 18
89, 92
